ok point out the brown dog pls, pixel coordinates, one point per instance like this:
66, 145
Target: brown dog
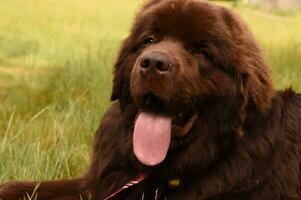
195, 117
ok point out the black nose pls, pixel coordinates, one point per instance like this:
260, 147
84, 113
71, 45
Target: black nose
155, 62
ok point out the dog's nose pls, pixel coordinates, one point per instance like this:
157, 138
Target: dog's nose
155, 62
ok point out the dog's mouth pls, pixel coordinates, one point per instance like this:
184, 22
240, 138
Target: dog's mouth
182, 120
155, 127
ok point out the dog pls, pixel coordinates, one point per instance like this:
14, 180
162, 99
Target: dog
195, 116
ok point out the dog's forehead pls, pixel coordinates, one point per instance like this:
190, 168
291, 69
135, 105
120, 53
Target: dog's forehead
193, 16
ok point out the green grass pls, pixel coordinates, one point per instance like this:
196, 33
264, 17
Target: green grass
56, 59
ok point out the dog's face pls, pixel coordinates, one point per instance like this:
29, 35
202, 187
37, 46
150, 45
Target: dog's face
185, 55
174, 62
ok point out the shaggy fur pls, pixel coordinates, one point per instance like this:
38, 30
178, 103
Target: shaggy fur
245, 142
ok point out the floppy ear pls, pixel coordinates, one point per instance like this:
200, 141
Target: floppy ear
253, 75
261, 89
256, 82
117, 81
256, 93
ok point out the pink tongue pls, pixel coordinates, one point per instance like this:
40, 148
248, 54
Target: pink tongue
151, 138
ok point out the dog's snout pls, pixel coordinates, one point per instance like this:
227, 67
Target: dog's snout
155, 62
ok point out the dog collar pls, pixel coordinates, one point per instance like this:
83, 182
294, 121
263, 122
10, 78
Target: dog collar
124, 191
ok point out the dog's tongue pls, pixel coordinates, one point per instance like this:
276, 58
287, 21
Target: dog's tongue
151, 138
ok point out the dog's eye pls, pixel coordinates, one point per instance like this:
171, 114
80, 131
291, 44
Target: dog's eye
199, 49
148, 40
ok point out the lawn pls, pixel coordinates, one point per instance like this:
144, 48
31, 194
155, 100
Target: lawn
56, 59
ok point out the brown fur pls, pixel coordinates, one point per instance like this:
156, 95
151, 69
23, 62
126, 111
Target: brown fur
245, 143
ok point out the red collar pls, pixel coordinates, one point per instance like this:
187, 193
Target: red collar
124, 191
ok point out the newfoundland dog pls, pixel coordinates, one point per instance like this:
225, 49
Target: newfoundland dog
195, 117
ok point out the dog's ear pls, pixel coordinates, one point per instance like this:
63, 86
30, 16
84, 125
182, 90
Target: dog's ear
253, 73
117, 81
256, 81
256, 87
256, 93
261, 89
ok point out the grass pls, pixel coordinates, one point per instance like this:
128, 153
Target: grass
56, 59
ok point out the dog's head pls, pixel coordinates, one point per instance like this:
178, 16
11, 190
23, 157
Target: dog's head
186, 55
